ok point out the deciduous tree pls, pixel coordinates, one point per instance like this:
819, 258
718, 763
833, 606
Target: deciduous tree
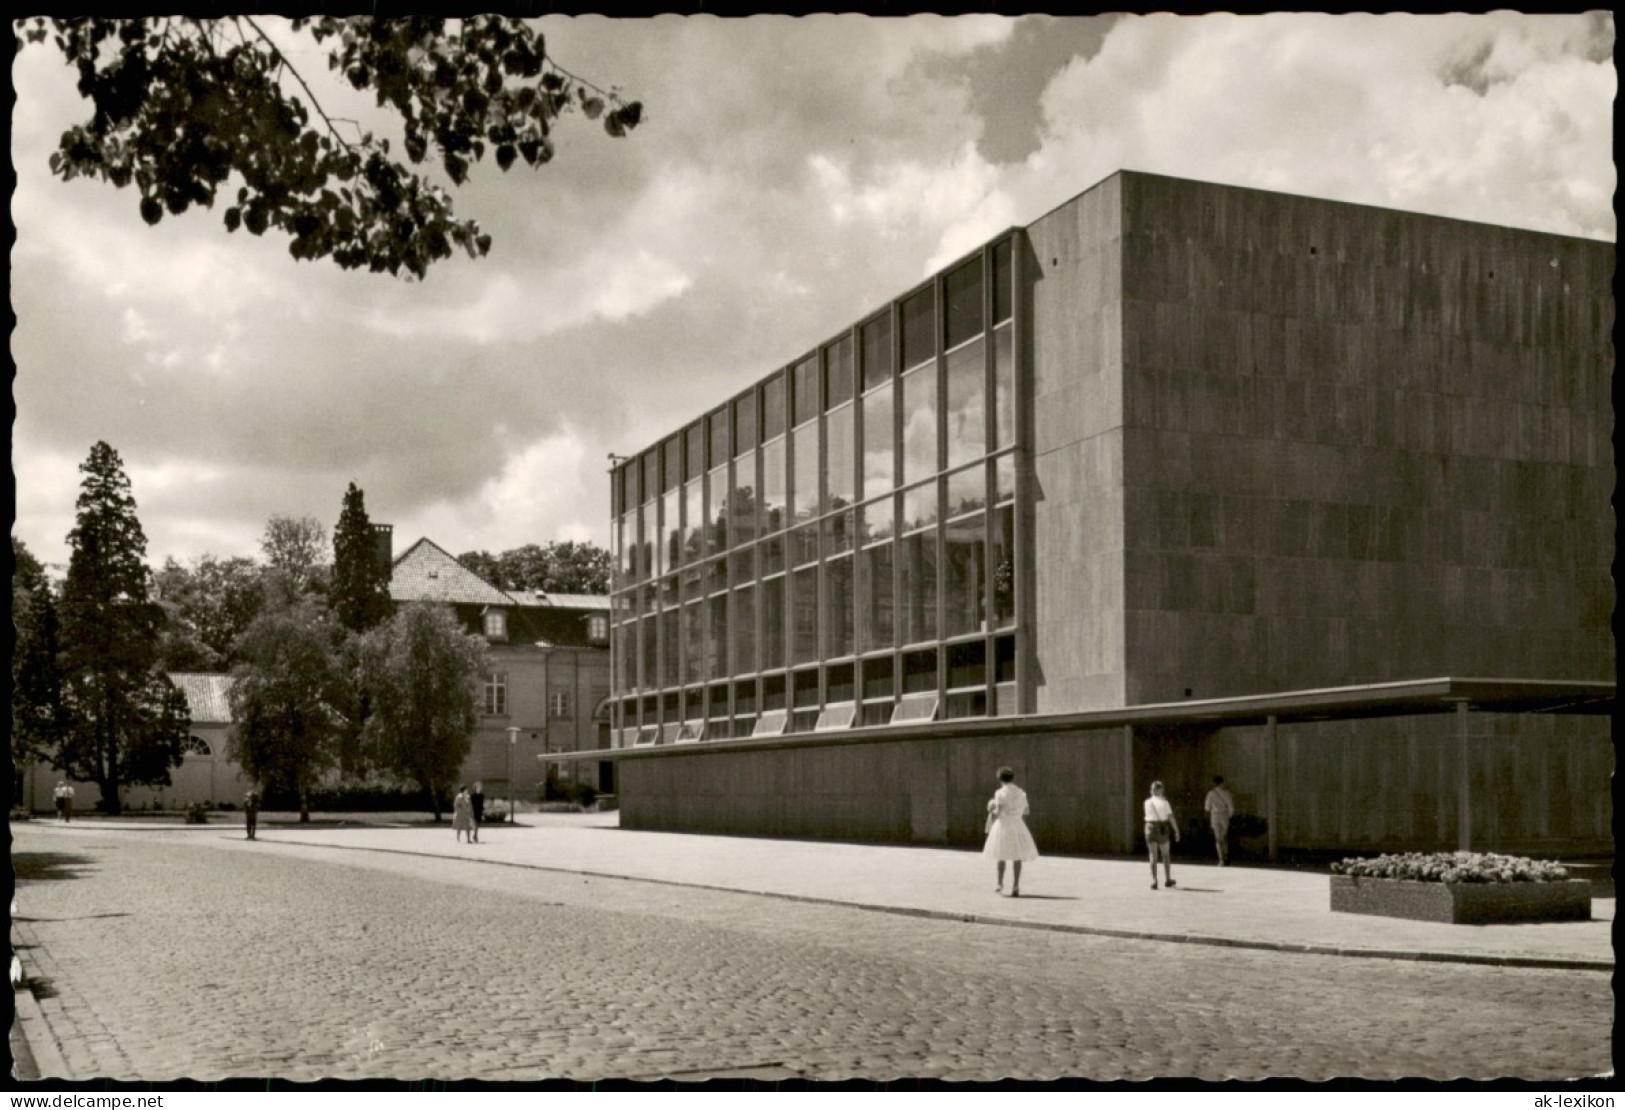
207, 606
285, 699
125, 722
420, 671
295, 546
37, 718
182, 107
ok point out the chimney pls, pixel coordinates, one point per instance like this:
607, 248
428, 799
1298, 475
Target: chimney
383, 538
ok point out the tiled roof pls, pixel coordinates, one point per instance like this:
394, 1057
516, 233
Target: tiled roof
207, 695
560, 601
427, 572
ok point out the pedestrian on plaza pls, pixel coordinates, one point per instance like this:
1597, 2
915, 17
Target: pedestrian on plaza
462, 815
478, 800
1007, 835
1159, 826
67, 810
251, 811
61, 796
1219, 806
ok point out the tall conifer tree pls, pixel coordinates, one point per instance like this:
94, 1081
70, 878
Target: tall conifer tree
126, 724
360, 574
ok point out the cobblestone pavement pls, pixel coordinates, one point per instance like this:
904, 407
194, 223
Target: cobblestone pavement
163, 956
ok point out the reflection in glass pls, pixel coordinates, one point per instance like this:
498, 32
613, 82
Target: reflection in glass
876, 521
917, 588
1004, 573
804, 478
967, 490
1003, 293
742, 566
770, 555
838, 466
919, 423
804, 545
838, 535
967, 405
1004, 388
875, 597
919, 506
716, 535
716, 575
672, 468
668, 647
838, 372
694, 451
879, 473
964, 576
721, 441
693, 520
804, 632
742, 502
838, 607
671, 535
645, 550
773, 485
805, 402
1004, 478
744, 429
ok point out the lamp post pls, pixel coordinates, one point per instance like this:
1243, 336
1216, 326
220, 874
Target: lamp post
513, 742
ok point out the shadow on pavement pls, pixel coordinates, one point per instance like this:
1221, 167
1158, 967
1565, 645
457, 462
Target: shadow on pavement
45, 867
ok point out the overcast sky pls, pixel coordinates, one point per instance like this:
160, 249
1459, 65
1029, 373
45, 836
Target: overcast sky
789, 176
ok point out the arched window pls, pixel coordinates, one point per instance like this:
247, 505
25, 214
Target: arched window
196, 745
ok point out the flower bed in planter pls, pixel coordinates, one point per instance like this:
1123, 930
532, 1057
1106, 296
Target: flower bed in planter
1462, 888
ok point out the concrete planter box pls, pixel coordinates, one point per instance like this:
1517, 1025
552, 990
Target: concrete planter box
1463, 903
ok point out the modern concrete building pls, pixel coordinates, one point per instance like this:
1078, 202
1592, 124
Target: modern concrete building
1179, 479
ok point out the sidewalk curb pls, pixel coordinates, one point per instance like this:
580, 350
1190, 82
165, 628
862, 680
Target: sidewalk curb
28, 1023
1546, 963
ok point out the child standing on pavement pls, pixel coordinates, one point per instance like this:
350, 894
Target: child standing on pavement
1007, 835
1159, 826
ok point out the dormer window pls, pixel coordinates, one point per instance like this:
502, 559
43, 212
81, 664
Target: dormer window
496, 624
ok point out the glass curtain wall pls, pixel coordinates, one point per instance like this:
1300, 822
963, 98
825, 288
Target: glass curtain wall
846, 529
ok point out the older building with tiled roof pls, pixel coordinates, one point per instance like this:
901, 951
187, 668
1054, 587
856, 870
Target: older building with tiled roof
549, 673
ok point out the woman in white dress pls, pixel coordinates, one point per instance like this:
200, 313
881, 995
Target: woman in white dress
1007, 835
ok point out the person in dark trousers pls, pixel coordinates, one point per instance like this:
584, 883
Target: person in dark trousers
478, 800
251, 811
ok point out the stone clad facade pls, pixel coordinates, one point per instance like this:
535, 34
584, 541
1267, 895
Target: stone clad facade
1261, 443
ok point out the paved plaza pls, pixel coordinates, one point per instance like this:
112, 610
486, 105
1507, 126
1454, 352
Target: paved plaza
572, 949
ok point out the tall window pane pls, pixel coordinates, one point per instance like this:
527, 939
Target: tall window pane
964, 576
694, 451
647, 526
693, 521
838, 602
838, 534
721, 439
838, 466
804, 625
877, 351
716, 538
1004, 478
773, 423
967, 490
672, 533
918, 587
742, 502
804, 502
876, 521
651, 473
693, 633
875, 597
963, 291
716, 637
966, 404
919, 327
838, 372
648, 652
1003, 291
773, 485
672, 465
773, 629
879, 473
805, 400
745, 425
919, 423
742, 630
1004, 388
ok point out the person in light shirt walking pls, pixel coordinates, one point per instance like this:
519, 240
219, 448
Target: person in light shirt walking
1219, 806
1160, 830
